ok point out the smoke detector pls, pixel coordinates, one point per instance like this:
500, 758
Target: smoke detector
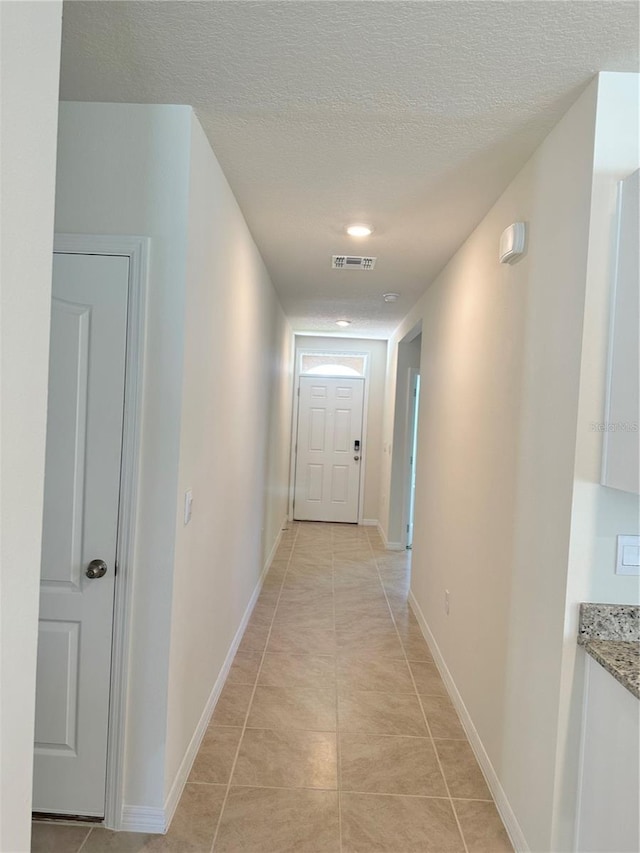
390, 297
352, 262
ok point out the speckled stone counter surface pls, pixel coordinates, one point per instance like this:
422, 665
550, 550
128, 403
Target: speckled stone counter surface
620, 658
610, 633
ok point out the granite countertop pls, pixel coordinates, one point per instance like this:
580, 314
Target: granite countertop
619, 657
610, 633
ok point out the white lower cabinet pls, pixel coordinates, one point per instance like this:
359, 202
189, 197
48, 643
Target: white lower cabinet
609, 796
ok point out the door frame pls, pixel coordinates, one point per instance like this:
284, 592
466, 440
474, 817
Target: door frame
136, 249
322, 377
295, 411
413, 373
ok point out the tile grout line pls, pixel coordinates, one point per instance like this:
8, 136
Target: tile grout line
347, 791
338, 757
86, 838
424, 716
253, 692
347, 731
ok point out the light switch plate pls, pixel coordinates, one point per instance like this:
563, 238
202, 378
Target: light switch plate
628, 555
188, 504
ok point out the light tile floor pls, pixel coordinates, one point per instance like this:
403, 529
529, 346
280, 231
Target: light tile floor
334, 731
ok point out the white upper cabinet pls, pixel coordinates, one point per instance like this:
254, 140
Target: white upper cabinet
621, 456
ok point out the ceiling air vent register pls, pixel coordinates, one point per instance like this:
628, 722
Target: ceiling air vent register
352, 262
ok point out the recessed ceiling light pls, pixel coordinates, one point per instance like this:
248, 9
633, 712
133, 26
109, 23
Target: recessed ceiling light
390, 297
359, 230
343, 323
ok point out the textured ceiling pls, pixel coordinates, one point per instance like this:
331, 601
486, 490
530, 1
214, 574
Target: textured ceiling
413, 116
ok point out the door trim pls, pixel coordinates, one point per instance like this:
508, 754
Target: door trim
412, 373
136, 249
360, 502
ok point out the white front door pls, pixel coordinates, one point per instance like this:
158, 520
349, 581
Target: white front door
81, 493
329, 449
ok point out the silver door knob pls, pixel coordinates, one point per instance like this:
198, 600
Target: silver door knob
357, 458
96, 569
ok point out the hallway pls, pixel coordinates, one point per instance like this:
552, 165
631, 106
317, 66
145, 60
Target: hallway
333, 731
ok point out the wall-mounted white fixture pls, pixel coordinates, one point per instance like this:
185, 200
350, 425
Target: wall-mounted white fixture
343, 323
512, 242
628, 555
359, 230
188, 506
391, 297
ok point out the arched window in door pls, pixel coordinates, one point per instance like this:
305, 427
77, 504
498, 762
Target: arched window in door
332, 370
332, 364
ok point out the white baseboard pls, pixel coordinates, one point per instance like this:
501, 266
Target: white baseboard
144, 819
502, 803
272, 553
390, 546
369, 522
180, 780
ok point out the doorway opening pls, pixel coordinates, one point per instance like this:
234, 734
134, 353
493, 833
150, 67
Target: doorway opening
404, 449
412, 444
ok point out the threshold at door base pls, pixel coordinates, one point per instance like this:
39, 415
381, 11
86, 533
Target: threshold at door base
69, 818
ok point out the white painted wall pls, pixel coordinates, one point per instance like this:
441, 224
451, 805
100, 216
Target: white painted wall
377, 352
280, 370
29, 67
217, 410
500, 368
598, 514
236, 416
124, 169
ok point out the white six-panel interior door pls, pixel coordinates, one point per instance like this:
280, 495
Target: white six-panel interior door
329, 449
82, 485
